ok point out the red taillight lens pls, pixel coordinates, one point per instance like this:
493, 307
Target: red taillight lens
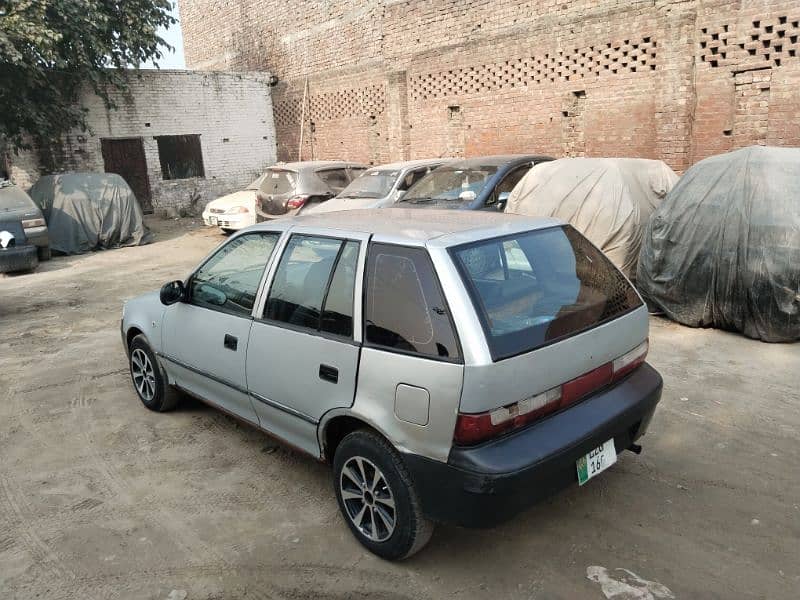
297, 201
474, 428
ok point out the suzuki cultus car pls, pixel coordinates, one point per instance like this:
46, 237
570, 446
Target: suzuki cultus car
451, 366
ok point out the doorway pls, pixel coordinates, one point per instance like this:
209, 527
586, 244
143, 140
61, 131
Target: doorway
125, 157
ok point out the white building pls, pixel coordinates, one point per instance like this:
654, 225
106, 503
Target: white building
179, 138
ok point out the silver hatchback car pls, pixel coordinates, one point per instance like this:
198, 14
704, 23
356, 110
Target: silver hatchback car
451, 366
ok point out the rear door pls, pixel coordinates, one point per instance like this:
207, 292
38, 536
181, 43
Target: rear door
302, 358
204, 340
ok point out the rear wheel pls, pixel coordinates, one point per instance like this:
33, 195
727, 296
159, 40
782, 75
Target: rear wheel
148, 379
44, 253
377, 497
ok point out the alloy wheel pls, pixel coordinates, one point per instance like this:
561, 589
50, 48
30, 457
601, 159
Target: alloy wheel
367, 499
144, 377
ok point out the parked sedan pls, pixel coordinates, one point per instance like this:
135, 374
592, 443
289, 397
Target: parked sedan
369, 339
234, 211
381, 186
482, 183
289, 188
16, 205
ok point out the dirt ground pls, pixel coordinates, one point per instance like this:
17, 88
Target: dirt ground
102, 499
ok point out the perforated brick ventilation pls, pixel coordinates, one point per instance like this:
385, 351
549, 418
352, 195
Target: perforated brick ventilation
628, 56
767, 42
367, 101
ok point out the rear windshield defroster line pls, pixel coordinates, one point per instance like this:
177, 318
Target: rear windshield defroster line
534, 288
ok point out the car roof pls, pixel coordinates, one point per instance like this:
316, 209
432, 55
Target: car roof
315, 164
410, 164
413, 227
497, 160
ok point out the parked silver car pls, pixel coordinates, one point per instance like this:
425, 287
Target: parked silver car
452, 366
290, 188
380, 186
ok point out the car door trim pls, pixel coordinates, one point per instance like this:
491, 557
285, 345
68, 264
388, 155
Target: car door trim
210, 376
284, 408
259, 397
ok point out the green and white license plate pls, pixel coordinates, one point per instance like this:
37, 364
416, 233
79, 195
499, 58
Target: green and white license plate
597, 461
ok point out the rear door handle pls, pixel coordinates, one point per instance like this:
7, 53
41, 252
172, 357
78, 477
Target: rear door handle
231, 342
328, 373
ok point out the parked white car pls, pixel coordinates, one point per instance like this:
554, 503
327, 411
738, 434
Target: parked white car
450, 366
234, 211
380, 186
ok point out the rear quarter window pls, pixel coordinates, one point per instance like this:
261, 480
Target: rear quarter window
535, 288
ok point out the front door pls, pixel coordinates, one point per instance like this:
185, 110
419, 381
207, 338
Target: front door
205, 339
125, 157
302, 358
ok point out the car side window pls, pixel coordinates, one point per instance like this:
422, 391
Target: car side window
313, 285
336, 179
229, 280
509, 182
405, 309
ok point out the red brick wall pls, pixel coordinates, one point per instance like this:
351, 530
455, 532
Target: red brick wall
391, 79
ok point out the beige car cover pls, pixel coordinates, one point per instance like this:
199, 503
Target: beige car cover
609, 200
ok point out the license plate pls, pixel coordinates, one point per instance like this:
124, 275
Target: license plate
597, 461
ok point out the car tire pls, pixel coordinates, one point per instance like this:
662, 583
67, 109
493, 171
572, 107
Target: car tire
44, 253
391, 533
149, 379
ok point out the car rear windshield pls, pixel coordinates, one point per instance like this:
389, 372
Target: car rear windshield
278, 182
535, 288
372, 184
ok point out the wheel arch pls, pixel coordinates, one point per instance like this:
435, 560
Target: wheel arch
336, 425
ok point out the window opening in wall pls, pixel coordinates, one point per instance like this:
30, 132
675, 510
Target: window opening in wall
181, 156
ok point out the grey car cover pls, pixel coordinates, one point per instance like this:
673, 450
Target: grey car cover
90, 211
609, 200
723, 250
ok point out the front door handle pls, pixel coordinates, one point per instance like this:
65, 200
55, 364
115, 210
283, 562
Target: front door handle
328, 373
231, 342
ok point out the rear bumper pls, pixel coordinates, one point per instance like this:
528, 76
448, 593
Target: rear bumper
261, 216
485, 485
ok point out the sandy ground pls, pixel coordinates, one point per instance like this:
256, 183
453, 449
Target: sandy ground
100, 498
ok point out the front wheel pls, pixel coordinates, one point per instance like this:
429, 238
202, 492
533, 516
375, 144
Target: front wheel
148, 379
377, 497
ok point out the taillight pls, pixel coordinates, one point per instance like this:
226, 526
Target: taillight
297, 201
479, 427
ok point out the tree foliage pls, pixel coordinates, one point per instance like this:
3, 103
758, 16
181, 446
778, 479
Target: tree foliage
50, 50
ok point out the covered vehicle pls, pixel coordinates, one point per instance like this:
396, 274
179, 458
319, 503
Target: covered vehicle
609, 200
480, 183
380, 186
290, 188
16, 205
90, 211
234, 211
723, 249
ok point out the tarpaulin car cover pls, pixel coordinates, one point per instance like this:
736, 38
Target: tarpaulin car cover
609, 200
723, 250
90, 211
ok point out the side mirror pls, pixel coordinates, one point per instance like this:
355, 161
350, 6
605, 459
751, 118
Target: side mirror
399, 195
502, 200
172, 292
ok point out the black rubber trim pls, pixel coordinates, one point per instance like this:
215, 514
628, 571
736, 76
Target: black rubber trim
241, 390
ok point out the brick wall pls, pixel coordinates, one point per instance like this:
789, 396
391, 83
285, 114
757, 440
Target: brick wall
231, 112
391, 79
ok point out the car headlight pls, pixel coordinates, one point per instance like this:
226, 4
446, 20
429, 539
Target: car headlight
30, 223
236, 210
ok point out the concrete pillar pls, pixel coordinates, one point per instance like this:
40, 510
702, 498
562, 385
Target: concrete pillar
397, 115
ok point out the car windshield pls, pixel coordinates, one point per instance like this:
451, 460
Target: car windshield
374, 183
449, 184
534, 288
278, 181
